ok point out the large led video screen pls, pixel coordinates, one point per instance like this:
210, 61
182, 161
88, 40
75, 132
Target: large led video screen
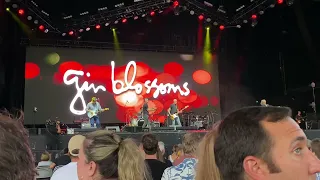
59, 82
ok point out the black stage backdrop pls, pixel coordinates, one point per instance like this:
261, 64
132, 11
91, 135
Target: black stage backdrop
46, 90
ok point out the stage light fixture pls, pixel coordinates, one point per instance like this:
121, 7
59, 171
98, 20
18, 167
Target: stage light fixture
63, 34
152, 13
35, 21
98, 26
107, 24
261, 12
124, 20
71, 33
46, 31
7, 9
116, 22
136, 17
280, 1
207, 28
200, 17
21, 12
290, 2
208, 19
80, 30
143, 15
160, 11
215, 23
176, 12
254, 17
239, 26
29, 18
15, 6
41, 27
221, 27
175, 4
88, 29
192, 12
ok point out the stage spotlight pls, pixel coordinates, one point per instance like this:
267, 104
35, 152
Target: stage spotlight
113, 29
29, 18
152, 13
88, 29
221, 27
107, 24
15, 6
290, 2
239, 26
254, 17
136, 17
207, 28
7, 9
21, 12
63, 34
245, 21
41, 27
215, 23
124, 20
279, 1
98, 26
208, 19
160, 11
261, 12
35, 21
46, 31
80, 30
116, 22
192, 12
176, 12
71, 33
175, 4
200, 17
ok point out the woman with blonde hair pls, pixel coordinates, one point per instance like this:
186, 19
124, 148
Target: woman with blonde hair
104, 155
207, 168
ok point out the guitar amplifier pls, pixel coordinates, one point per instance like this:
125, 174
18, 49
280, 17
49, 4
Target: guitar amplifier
87, 125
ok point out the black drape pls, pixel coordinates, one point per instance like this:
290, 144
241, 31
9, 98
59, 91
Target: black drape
12, 61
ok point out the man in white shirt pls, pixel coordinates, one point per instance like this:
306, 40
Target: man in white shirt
69, 171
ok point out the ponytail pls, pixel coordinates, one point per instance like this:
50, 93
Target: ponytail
207, 168
131, 165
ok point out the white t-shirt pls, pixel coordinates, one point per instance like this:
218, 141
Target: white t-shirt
67, 172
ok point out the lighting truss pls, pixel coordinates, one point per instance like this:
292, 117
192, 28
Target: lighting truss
246, 12
121, 12
106, 45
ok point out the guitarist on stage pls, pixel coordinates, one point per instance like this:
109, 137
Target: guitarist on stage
299, 117
93, 108
173, 112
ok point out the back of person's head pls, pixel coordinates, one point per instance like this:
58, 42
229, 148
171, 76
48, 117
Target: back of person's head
150, 144
241, 134
45, 156
16, 159
206, 166
177, 148
74, 145
161, 147
105, 155
315, 147
190, 143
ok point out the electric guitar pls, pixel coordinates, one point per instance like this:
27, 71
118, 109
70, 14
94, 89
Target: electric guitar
300, 120
95, 113
173, 116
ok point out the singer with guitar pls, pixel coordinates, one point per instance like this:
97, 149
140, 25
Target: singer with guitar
93, 109
173, 113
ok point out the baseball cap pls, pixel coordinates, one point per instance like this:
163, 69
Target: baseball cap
74, 144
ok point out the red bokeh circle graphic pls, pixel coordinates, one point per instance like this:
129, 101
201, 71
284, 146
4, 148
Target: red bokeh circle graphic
201, 101
166, 78
214, 101
188, 99
64, 67
173, 68
201, 77
32, 70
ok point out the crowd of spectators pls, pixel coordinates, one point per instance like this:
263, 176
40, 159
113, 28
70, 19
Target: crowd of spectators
253, 143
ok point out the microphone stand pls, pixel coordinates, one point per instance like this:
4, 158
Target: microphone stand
127, 116
35, 109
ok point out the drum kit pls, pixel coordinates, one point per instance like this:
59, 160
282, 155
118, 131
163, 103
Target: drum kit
202, 121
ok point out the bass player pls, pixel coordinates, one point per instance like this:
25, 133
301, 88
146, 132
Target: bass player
93, 109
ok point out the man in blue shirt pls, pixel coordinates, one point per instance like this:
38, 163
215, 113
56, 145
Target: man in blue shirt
93, 108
